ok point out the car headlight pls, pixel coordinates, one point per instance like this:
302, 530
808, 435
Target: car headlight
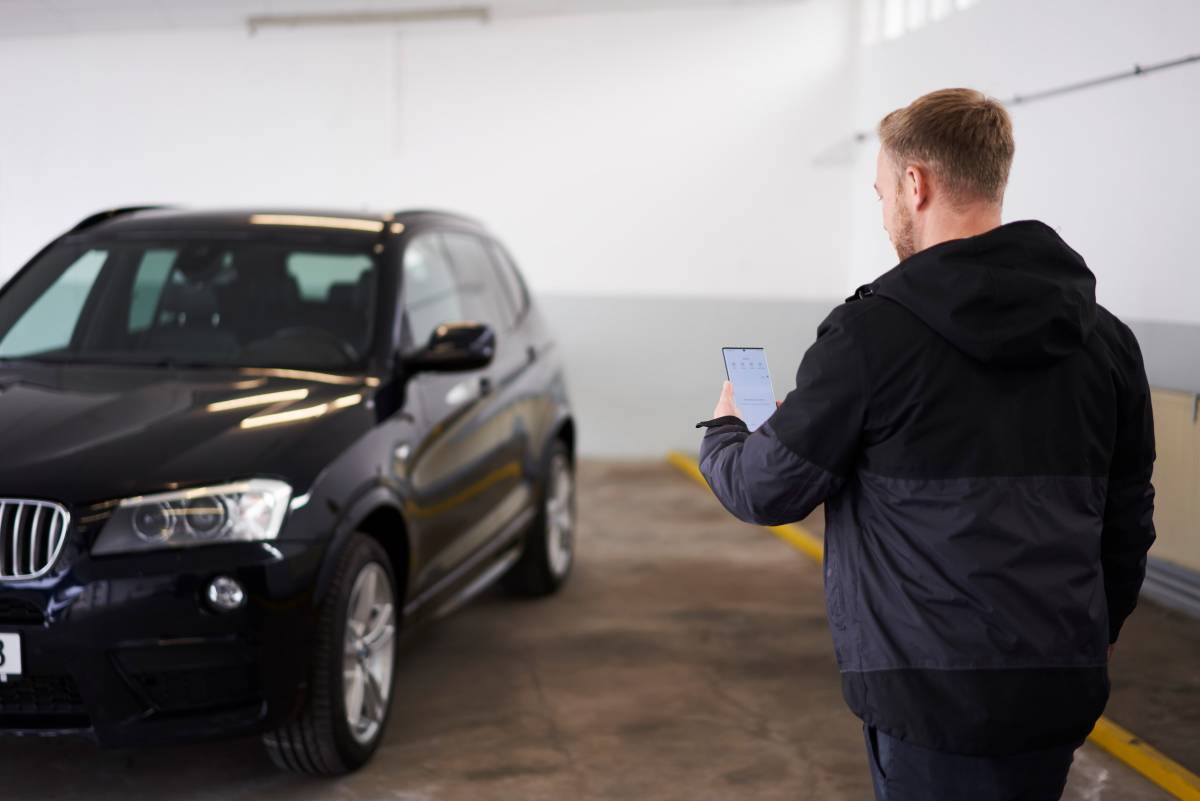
243, 511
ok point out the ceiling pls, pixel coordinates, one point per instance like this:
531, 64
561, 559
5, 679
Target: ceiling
57, 17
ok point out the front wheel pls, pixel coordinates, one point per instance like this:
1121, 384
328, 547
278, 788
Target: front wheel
346, 713
550, 547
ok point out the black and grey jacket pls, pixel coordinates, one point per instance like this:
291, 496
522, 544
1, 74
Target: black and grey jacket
980, 432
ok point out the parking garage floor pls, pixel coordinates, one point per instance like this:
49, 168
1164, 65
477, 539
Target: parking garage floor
688, 658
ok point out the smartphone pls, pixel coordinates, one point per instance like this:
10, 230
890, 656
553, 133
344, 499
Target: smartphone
753, 392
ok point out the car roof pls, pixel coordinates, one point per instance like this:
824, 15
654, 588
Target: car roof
163, 218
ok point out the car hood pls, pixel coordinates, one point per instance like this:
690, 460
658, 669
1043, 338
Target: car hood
80, 434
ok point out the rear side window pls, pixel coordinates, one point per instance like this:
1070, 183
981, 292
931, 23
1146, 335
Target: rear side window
430, 295
148, 286
50, 321
485, 298
320, 275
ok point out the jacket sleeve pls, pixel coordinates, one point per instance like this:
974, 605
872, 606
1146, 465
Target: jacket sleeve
802, 453
1129, 506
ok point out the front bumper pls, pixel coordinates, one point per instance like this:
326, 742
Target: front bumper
126, 649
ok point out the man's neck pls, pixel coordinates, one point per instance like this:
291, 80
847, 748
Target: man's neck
944, 226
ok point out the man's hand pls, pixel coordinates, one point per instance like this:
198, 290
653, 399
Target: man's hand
726, 406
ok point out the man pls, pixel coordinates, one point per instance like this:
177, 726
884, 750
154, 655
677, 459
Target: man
980, 432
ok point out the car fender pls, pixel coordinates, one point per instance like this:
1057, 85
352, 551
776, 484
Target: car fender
375, 496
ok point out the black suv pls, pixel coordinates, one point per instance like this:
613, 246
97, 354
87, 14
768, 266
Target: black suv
243, 449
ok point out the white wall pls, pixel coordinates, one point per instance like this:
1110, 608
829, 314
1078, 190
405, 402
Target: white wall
96, 121
620, 153
1114, 168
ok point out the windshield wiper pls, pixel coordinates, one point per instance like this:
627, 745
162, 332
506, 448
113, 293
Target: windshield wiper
45, 360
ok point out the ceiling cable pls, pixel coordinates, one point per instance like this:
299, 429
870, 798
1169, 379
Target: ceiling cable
1136, 71
843, 151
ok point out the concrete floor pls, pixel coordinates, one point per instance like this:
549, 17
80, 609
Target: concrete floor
1156, 682
687, 659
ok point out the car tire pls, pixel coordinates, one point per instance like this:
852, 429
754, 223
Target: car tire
549, 551
354, 659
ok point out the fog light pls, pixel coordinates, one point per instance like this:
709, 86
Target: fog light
225, 594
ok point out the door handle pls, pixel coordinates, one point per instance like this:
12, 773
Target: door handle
485, 386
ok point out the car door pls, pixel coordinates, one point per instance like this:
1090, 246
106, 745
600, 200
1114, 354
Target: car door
461, 473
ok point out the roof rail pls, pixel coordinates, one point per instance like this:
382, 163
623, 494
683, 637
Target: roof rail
454, 215
108, 214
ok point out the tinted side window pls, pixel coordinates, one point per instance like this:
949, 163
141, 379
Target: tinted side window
484, 297
148, 286
518, 294
325, 277
50, 321
430, 295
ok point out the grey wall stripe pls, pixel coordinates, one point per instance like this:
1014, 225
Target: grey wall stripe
1173, 586
1171, 352
644, 369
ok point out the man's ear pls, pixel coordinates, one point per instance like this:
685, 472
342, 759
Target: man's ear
916, 186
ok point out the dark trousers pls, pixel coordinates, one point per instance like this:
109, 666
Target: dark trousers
905, 772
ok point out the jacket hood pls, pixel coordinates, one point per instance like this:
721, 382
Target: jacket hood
1017, 295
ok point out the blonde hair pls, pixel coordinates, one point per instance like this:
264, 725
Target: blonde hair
962, 136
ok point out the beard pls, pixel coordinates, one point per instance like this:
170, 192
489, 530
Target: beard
902, 236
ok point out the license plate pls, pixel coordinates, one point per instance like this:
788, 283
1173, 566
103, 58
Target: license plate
10, 655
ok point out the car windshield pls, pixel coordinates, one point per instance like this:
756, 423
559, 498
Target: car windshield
198, 302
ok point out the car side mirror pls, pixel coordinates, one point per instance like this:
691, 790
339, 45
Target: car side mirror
453, 348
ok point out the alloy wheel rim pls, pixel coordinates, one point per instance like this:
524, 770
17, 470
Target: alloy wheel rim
560, 517
368, 655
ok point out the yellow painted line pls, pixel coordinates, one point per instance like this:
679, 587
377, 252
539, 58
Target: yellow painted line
793, 534
1146, 760
1125, 746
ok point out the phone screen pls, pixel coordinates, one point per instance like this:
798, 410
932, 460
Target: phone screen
752, 389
